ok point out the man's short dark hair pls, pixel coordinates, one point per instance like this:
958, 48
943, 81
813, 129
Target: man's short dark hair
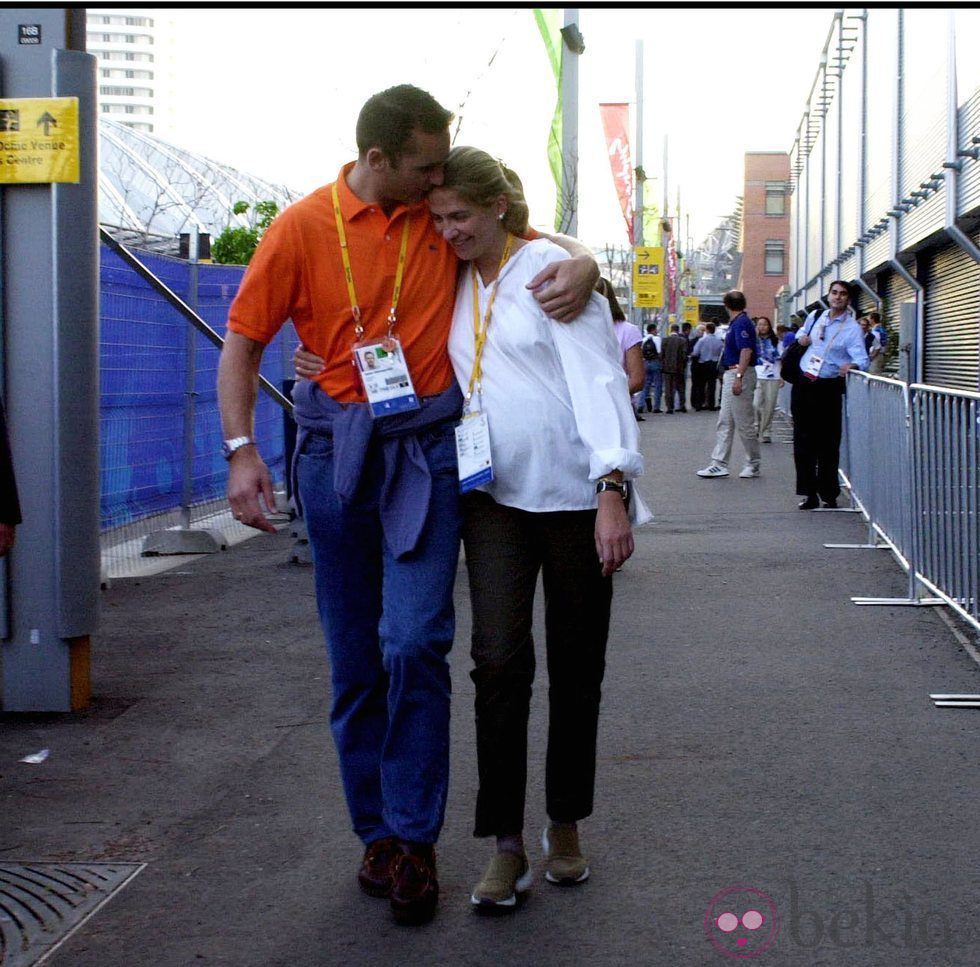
388, 120
651, 327
709, 327
734, 300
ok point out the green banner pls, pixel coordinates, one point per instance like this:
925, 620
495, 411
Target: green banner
651, 213
548, 22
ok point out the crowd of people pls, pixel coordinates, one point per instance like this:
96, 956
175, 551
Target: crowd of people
833, 342
464, 378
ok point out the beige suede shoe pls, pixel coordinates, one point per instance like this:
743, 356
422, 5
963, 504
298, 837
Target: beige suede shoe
506, 880
564, 863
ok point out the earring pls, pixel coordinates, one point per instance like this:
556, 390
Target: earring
500, 217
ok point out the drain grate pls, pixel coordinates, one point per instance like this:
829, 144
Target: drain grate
43, 903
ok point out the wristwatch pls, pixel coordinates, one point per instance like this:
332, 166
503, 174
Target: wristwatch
621, 488
229, 447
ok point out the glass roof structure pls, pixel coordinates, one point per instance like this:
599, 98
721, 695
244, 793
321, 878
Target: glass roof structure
151, 191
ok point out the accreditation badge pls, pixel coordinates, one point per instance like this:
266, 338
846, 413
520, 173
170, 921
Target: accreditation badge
473, 451
812, 369
384, 373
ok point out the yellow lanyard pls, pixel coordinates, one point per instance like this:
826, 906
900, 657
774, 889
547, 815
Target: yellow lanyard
480, 332
349, 275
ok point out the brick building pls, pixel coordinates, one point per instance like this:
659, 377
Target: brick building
765, 230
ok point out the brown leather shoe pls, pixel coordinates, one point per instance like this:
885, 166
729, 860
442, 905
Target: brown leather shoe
377, 869
415, 889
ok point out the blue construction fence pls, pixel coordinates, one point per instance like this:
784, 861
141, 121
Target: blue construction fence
147, 349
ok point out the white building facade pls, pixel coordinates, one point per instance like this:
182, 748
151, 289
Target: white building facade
885, 173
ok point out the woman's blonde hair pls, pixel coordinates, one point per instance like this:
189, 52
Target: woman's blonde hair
481, 180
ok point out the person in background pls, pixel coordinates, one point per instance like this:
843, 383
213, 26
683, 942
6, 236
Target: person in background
697, 376
767, 377
785, 336
673, 356
738, 387
10, 515
875, 341
834, 346
704, 357
629, 337
653, 384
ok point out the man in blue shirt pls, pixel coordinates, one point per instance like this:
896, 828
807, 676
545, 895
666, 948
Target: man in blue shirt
737, 390
834, 346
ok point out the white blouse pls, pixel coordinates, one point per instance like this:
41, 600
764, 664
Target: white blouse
555, 394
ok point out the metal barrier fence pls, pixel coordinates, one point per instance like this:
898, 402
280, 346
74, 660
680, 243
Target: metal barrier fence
160, 434
911, 465
946, 445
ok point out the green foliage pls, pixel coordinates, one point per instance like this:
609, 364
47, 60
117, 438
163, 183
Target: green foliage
236, 246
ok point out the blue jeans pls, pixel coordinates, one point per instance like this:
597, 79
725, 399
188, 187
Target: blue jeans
654, 382
389, 625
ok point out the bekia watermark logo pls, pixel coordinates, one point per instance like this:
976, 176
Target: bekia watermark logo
741, 922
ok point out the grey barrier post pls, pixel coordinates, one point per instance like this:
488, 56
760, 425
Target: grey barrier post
49, 241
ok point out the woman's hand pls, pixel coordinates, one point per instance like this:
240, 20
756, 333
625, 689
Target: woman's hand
613, 534
307, 364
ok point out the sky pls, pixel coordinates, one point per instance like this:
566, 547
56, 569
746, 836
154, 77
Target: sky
276, 92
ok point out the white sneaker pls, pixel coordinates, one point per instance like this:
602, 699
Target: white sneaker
713, 470
749, 472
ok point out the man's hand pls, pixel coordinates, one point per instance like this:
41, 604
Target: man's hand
307, 364
563, 288
249, 479
613, 535
736, 387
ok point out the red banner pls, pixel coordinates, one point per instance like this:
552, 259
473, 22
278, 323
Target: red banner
671, 274
616, 125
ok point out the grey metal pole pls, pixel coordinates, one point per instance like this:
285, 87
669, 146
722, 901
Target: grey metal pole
569, 128
190, 386
50, 278
638, 187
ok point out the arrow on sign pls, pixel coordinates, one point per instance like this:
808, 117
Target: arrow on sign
643, 254
47, 122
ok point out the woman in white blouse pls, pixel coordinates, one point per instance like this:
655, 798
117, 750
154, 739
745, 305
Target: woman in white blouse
563, 444
561, 428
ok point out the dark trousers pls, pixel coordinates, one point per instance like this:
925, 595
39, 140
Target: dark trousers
698, 376
817, 406
710, 373
505, 550
674, 383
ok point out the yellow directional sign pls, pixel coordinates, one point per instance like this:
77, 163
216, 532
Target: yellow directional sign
38, 140
692, 308
648, 277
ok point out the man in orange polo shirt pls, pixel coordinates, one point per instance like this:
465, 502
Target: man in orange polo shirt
357, 265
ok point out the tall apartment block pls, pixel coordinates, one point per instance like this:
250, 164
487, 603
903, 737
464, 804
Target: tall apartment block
124, 41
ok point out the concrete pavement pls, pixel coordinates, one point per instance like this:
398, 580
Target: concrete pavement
759, 732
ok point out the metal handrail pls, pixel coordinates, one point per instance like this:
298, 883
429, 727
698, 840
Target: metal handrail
184, 309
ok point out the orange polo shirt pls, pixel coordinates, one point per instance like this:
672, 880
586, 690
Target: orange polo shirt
297, 273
